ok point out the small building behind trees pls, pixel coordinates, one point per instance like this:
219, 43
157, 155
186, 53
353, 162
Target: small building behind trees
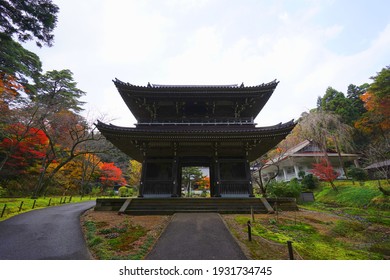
300, 158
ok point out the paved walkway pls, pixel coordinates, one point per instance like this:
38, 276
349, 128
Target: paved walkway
49, 233
196, 236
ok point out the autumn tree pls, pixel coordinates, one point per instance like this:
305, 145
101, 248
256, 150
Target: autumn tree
327, 130
204, 183
324, 171
111, 175
376, 121
90, 168
22, 150
134, 172
70, 135
69, 138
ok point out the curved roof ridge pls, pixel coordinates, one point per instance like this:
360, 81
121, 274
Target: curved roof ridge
151, 85
196, 86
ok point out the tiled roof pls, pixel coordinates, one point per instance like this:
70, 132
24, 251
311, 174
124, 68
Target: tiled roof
188, 128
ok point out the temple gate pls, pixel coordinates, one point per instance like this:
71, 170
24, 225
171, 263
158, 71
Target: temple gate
195, 125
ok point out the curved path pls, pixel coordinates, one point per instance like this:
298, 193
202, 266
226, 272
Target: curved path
196, 236
49, 233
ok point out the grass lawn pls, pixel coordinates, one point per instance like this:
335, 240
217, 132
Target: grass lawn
314, 237
15, 206
352, 223
354, 195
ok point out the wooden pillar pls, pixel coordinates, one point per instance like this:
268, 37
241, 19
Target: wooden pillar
143, 177
249, 178
296, 170
217, 175
143, 149
285, 174
248, 170
217, 178
176, 191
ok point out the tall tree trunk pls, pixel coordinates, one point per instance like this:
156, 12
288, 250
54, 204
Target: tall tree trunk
333, 186
2, 163
339, 156
54, 172
261, 185
39, 185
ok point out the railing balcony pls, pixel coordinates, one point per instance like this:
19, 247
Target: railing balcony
232, 121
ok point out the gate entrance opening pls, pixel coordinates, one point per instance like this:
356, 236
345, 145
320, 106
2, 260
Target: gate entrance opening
195, 181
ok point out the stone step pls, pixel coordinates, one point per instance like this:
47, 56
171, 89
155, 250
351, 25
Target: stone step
147, 206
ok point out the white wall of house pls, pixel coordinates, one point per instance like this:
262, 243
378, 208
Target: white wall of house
289, 169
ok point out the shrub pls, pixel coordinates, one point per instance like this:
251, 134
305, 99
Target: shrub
357, 174
111, 193
123, 191
301, 174
2, 191
309, 181
284, 189
95, 191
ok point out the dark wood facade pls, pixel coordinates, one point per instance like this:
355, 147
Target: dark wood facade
195, 126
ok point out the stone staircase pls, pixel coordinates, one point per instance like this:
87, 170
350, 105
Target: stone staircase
169, 206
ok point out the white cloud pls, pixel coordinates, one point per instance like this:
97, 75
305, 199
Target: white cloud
171, 42
132, 33
333, 31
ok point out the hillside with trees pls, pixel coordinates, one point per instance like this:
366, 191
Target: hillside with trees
46, 145
356, 122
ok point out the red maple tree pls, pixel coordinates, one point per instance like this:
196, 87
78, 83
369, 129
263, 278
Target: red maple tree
111, 175
22, 147
325, 171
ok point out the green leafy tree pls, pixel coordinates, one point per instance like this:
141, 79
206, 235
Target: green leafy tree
190, 175
357, 174
309, 181
284, 189
57, 90
335, 102
18, 64
29, 20
354, 94
26, 20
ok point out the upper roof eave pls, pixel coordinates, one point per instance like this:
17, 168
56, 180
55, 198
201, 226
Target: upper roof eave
119, 83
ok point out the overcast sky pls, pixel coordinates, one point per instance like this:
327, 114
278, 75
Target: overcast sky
306, 45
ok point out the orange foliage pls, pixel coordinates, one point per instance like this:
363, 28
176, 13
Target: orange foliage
204, 183
378, 113
9, 89
111, 174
